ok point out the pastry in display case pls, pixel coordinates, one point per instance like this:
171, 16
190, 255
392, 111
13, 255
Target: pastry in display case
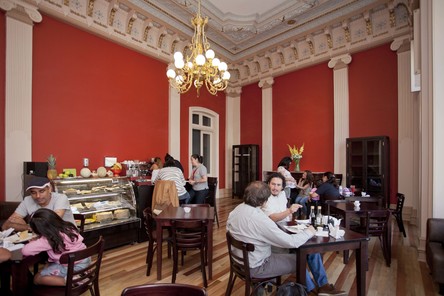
108, 205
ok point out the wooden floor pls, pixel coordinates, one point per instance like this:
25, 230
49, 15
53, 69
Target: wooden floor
125, 266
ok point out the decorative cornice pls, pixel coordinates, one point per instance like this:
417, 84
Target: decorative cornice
401, 44
233, 91
30, 10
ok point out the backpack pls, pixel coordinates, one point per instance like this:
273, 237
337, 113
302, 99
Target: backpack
291, 289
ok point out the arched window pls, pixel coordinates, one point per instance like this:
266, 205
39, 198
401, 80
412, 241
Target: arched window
204, 137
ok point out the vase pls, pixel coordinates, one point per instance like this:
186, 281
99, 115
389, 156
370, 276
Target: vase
296, 162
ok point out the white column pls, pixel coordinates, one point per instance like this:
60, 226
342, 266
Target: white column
408, 162
174, 123
18, 94
267, 123
341, 111
232, 132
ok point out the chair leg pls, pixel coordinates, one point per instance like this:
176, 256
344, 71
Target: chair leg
217, 218
202, 264
149, 258
400, 224
230, 285
175, 263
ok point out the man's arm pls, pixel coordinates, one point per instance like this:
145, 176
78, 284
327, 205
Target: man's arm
282, 215
17, 222
60, 212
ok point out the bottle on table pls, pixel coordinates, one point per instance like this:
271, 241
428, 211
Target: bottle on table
312, 216
319, 217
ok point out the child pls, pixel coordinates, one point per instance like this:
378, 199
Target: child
56, 237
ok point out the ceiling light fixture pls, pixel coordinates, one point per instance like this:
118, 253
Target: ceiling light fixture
200, 66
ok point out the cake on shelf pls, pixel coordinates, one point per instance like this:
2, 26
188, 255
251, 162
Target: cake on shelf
121, 214
104, 217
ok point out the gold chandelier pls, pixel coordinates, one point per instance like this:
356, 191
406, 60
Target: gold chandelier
200, 66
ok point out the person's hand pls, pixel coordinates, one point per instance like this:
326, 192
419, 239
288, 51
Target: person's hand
295, 208
191, 182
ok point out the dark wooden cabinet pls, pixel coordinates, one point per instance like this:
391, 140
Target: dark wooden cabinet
245, 167
368, 165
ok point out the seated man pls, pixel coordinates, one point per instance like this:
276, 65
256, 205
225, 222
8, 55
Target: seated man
276, 209
41, 197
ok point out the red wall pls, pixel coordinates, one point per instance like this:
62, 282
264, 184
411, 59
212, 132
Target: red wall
93, 98
205, 100
374, 101
2, 102
251, 118
303, 114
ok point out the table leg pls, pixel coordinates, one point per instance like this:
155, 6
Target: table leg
159, 234
361, 266
19, 273
346, 253
301, 262
210, 249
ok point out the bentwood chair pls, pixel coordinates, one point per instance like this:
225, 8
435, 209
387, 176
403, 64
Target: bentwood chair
189, 235
240, 267
164, 290
397, 213
150, 230
78, 282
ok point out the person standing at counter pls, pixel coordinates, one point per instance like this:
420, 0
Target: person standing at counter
157, 164
283, 168
198, 180
172, 173
40, 196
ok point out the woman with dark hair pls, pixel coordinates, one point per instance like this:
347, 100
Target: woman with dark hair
56, 237
172, 173
283, 168
198, 180
304, 185
328, 190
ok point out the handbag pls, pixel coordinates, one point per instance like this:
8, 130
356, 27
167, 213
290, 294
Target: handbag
291, 289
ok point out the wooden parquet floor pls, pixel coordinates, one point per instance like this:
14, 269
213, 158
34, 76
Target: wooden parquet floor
125, 266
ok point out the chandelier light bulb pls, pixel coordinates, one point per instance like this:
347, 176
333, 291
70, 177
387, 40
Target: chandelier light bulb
200, 60
178, 56
215, 62
179, 79
171, 73
190, 65
217, 80
223, 66
210, 54
179, 64
226, 75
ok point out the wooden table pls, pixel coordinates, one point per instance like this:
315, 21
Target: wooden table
347, 210
351, 241
177, 213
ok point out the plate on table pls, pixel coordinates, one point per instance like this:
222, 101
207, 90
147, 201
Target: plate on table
307, 221
15, 238
295, 228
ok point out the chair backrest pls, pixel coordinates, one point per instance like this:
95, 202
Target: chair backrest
400, 202
165, 193
376, 223
189, 234
164, 289
238, 252
80, 281
212, 190
148, 222
81, 218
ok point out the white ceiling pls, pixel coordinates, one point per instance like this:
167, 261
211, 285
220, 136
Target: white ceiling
241, 28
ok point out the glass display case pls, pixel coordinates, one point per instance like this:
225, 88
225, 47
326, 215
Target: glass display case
106, 203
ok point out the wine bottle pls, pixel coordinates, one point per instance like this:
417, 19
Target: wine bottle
312, 216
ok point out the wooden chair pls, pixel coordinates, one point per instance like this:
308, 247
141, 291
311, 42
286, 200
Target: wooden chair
164, 290
240, 267
78, 282
189, 235
211, 198
397, 213
81, 218
150, 230
376, 224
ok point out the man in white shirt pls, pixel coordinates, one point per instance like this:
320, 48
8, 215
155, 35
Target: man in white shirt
276, 209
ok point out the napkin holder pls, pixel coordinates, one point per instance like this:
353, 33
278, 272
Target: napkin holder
335, 231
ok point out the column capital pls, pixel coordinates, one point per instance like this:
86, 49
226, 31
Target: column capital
266, 82
401, 44
339, 62
233, 91
21, 10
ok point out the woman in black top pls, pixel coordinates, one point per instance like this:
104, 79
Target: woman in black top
328, 190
